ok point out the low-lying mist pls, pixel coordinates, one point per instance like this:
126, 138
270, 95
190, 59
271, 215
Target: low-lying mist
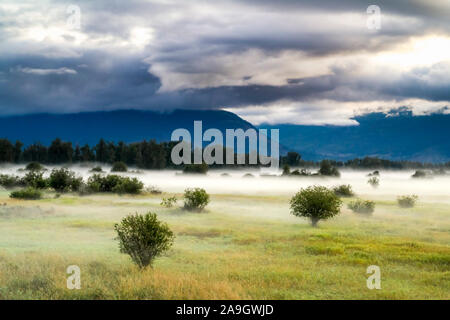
264, 182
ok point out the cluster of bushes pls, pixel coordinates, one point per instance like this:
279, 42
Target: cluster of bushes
64, 180
362, 206
303, 172
326, 169
26, 194
10, 181
408, 201
196, 168
113, 183
344, 190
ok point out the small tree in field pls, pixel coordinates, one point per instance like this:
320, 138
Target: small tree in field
316, 203
374, 182
195, 199
119, 167
143, 237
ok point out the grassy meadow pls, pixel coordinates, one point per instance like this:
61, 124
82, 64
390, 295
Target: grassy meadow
244, 246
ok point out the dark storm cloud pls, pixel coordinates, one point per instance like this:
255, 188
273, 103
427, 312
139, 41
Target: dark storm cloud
98, 81
187, 50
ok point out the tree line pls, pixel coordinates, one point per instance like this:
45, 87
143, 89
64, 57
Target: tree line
154, 155
144, 154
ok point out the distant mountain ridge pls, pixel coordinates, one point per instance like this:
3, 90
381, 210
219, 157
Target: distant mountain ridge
394, 136
122, 125
397, 135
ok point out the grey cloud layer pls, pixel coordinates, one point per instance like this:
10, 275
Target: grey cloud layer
195, 46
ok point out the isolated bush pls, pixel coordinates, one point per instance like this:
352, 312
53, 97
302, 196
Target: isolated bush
196, 168
374, 182
26, 194
408, 201
35, 179
344, 190
64, 180
10, 181
119, 167
195, 199
316, 203
143, 237
419, 174
326, 169
169, 202
153, 190
34, 166
375, 173
362, 206
286, 170
97, 169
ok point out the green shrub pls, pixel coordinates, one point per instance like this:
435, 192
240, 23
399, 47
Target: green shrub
374, 182
302, 172
196, 168
407, 201
64, 180
153, 190
326, 169
27, 194
10, 181
169, 202
119, 167
143, 237
344, 190
34, 166
128, 185
35, 179
362, 206
195, 199
286, 170
316, 203
114, 183
97, 169
419, 174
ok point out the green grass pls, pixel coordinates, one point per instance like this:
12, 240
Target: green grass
242, 247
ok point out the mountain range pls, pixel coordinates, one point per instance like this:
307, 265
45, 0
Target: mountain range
394, 135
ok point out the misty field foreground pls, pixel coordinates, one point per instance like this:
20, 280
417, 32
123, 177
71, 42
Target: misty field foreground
244, 246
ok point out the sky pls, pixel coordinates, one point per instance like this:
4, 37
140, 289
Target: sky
286, 61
